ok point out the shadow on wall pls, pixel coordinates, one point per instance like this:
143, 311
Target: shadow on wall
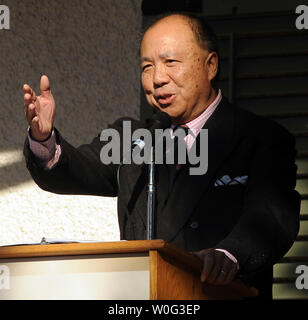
13, 170
88, 50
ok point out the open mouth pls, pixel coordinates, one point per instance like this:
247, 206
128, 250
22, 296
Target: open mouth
165, 99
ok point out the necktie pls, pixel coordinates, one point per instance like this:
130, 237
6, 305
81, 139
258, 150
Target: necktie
174, 168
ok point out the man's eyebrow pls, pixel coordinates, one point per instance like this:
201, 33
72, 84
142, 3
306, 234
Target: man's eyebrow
143, 59
166, 55
161, 56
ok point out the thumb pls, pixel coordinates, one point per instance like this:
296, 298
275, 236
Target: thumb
45, 86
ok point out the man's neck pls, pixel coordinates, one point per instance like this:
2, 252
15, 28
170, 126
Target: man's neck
210, 99
198, 122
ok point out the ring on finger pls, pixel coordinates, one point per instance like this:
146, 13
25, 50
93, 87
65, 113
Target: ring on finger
223, 272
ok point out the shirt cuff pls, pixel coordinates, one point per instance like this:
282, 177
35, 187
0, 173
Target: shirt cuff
47, 152
230, 256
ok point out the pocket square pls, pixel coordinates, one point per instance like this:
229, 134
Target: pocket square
226, 180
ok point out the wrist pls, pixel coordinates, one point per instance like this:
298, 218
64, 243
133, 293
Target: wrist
40, 139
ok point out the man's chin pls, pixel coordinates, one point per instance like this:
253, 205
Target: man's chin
175, 115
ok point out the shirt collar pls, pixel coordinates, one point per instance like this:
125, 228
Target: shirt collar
197, 124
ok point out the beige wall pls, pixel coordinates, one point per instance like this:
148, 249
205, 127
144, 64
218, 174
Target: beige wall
89, 51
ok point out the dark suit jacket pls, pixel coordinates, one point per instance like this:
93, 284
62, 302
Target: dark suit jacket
257, 222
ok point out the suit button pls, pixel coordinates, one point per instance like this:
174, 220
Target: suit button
194, 225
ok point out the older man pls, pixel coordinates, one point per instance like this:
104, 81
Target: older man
240, 217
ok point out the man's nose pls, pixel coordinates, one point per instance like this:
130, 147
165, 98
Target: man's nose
160, 76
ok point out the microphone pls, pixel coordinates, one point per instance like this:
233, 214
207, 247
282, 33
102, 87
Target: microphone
160, 120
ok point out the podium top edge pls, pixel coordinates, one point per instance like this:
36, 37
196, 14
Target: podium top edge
99, 248
74, 248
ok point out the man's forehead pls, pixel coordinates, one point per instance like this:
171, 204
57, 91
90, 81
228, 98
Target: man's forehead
167, 39
172, 20
170, 26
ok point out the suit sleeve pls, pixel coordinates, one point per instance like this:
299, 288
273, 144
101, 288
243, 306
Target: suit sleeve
269, 221
78, 170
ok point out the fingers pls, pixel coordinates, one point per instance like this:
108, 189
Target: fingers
207, 263
29, 94
207, 256
218, 261
30, 112
217, 267
27, 88
39, 111
227, 272
45, 85
29, 103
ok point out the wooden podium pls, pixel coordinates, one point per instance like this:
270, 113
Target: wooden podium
123, 270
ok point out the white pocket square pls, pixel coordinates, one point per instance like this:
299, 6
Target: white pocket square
226, 180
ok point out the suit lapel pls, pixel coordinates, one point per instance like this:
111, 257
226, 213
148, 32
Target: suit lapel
162, 187
188, 189
137, 180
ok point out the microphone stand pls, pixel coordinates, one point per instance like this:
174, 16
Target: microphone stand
160, 120
151, 197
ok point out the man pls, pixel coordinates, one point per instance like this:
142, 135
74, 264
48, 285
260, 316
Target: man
240, 217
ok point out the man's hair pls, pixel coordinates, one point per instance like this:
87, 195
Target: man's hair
204, 34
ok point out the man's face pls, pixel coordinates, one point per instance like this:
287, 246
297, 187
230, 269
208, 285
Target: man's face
176, 71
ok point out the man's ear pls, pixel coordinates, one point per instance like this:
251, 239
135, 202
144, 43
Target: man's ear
212, 65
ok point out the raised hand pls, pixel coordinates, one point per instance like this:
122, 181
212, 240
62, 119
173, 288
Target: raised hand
40, 110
